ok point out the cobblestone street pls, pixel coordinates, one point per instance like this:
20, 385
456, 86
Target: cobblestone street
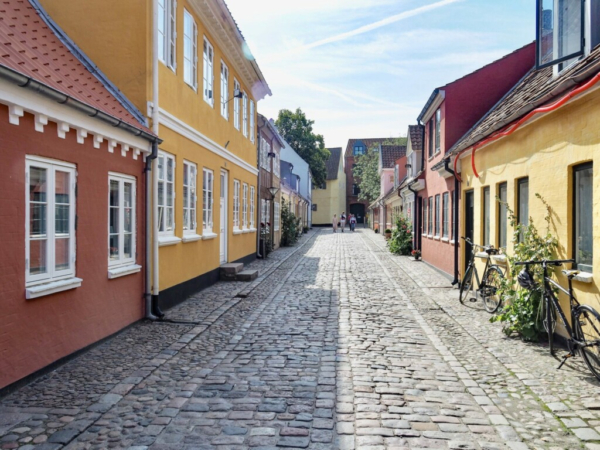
337, 345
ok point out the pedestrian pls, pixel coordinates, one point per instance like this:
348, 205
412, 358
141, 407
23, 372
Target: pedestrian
352, 222
343, 220
335, 223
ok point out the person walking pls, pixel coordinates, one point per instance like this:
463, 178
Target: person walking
352, 222
335, 222
343, 220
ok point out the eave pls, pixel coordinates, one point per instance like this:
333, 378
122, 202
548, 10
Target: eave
434, 102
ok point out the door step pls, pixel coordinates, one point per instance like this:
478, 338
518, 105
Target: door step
247, 275
228, 272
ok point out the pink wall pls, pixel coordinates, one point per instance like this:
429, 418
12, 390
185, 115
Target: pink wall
387, 180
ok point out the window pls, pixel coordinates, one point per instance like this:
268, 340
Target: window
523, 203
430, 139
437, 215
189, 197
224, 90
276, 165
583, 235
245, 207
355, 189
121, 220
166, 193
277, 216
560, 31
167, 32
425, 216
265, 212
252, 207
207, 200
265, 149
190, 50
50, 220
252, 113
236, 205
445, 212
359, 150
438, 126
208, 72
245, 114
486, 216
502, 215
430, 225
236, 106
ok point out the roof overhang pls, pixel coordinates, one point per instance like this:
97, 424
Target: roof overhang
442, 169
417, 185
434, 102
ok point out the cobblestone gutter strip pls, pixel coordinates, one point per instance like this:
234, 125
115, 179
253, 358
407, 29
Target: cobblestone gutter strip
519, 378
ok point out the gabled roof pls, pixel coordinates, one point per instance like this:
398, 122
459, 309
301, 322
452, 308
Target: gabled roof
333, 163
35, 47
536, 88
390, 153
415, 134
368, 143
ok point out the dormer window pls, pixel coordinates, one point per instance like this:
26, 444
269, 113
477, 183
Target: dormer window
359, 150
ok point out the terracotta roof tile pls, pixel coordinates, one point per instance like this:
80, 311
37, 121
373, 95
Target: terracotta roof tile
390, 153
29, 46
333, 163
415, 134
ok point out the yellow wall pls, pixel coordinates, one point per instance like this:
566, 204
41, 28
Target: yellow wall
545, 151
331, 200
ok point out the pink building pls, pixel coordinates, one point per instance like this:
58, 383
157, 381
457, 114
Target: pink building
450, 112
383, 209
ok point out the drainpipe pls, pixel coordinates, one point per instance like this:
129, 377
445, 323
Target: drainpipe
149, 248
416, 218
155, 308
258, 189
455, 212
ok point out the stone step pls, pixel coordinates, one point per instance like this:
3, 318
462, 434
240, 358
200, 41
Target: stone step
232, 268
247, 275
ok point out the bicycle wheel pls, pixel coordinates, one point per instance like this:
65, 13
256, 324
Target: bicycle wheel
587, 327
492, 281
549, 321
466, 285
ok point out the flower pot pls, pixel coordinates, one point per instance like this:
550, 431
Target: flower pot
388, 235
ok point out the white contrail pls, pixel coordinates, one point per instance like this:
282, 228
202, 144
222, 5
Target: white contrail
380, 23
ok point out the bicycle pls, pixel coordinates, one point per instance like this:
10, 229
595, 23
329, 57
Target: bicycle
584, 334
488, 285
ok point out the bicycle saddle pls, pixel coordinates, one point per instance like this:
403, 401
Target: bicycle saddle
571, 273
491, 251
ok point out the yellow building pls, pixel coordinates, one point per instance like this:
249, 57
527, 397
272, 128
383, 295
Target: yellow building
185, 63
332, 199
522, 150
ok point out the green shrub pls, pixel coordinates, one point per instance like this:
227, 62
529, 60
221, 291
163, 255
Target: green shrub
289, 226
401, 241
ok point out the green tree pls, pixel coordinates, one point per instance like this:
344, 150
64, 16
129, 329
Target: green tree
297, 130
366, 174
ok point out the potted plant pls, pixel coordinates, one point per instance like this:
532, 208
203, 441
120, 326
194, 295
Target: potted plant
416, 254
388, 233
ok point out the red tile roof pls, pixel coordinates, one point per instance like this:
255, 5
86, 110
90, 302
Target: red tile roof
333, 163
368, 143
390, 153
415, 134
31, 47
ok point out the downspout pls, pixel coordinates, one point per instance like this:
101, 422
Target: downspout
155, 308
258, 189
416, 218
149, 248
455, 212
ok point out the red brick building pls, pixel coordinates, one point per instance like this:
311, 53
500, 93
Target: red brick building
73, 198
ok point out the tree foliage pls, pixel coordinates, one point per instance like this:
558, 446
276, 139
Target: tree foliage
366, 174
297, 130
401, 241
290, 224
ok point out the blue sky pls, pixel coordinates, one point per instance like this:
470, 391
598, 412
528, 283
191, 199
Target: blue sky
365, 68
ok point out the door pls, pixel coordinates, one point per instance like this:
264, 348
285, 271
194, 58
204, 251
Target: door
223, 217
469, 224
358, 209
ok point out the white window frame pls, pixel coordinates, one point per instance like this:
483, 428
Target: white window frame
224, 90
190, 171
245, 206
277, 216
167, 33
252, 114
277, 165
252, 207
122, 179
236, 106
162, 221
208, 180
51, 274
244, 114
208, 59
190, 57
236, 205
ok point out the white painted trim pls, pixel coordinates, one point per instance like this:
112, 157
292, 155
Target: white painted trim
238, 231
191, 238
499, 259
209, 235
482, 255
117, 272
163, 241
197, 137
52, 288
583, 277
439, 98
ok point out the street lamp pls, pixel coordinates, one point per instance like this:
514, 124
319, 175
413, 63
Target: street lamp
273, 191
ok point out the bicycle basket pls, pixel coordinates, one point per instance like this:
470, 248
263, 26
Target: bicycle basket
525, 280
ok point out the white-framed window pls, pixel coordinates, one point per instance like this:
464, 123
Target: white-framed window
190, 171
265, 149
438, 127
190, 50
224, 90
252, 206
207, 199
208, 76
236, 106
236, 205
166, 193
167, 32
49, 220
265, 211
277, 216
252, 114
445, 214
276, 165
245, 114
245, 207
121, 219
583, 217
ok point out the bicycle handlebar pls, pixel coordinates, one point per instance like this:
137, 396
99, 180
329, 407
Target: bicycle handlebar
551, 262
476, 245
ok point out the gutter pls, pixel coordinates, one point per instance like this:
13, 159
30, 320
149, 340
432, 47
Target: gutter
455, 228
259, 187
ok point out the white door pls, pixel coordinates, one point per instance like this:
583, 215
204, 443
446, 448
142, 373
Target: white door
223, 217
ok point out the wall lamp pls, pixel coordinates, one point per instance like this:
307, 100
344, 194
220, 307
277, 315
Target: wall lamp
236, 94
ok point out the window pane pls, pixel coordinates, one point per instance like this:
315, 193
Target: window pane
61, 222
61, 254
486, 216
128, 219
583, 218
37, 184
502, 216
37, 219
169, 194
170, 163
114, 220
560, 28
185, 219
523, 196
161, 167
170, 219
114, 246
127, 195
114, 193
37, 256
128, 245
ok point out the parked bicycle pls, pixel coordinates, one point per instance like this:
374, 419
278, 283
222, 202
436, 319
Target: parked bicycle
488, 284
584, 330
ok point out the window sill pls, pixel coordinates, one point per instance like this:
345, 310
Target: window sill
437, 238
238, 231
584, 277
482, 255
192, 237
252, 230
208, 235
52, 288
168, 240
117, 272
500, 259
445, 240
245, 230
453, 242
430, 236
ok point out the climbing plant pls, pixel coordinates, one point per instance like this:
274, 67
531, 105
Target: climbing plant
289, 226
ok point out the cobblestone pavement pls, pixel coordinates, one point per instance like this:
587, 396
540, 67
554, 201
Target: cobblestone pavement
337, 345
